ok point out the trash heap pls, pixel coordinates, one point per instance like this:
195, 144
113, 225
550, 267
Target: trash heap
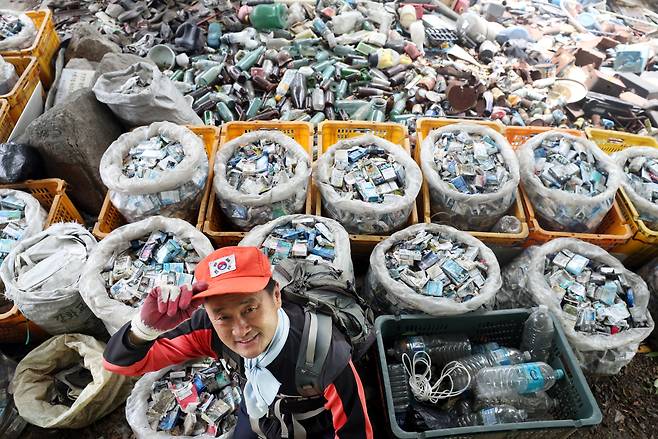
160, 259
12, 221
567, 165
301, 238
151, 156
10, 26
570, 182
640, 166
598, 297
195, 399
367, 173
472, 175
256, 168
435, 265
470, 163
134, 85
68, 384
17, 30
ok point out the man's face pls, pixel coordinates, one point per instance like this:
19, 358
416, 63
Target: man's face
245, 322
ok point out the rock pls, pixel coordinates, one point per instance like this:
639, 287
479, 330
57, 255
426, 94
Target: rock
114, 10
87, 42
112, 62
71, 138
81, 64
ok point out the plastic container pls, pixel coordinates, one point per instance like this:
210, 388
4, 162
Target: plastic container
51, 193
6, 124
27, 70
330, 132
45, 46
216, 226
110, 218
505, 245
613, 141
577, 406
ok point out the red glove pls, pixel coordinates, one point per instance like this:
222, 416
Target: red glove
165, 308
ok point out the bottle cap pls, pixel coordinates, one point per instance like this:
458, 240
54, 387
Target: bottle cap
559, 374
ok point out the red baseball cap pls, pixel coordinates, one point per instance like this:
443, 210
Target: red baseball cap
233, 270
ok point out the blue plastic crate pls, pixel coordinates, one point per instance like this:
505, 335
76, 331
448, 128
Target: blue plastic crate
577, 407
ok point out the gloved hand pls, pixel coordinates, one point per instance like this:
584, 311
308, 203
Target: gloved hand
165, 308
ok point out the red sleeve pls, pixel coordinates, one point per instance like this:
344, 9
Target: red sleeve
191, 339
347, 403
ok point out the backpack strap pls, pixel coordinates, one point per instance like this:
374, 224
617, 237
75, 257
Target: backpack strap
316, 340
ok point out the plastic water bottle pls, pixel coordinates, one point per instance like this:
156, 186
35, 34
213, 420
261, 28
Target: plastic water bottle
496, 357
533, 403
519, 378
399, 384
441, 348
486, 347
538, 334
502, 414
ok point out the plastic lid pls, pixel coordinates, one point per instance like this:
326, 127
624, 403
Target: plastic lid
559, 374
526, 356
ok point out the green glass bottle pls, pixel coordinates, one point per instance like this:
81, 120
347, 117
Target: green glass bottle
269, 16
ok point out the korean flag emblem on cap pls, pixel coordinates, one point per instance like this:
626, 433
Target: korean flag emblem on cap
222, 265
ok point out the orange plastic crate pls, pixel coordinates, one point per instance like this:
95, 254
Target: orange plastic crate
45, 45
217, 226
27, 70
517, 136
329, 133
6, 124
51, 193
110, 218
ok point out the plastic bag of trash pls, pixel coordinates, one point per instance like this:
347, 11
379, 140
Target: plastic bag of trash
259, 192
290, 235
377, 204
8, 76
93, 287
525, 285
19, 31
649, 272
38, 378
11, 423
584, 165
487, 159
41, 276
160, 169
461, 285
137, 410
19, 162
34, 216
141, 94
635, 164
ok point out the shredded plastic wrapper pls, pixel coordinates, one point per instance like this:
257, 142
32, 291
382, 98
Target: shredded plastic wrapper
11, 423
247, 211
525, 286
394, 297
363, 217
113, 313
648, 211
24, 38
159, 101
563, 211
41, 276
174, 192
343, 260
468, 211
34, 377
137, 406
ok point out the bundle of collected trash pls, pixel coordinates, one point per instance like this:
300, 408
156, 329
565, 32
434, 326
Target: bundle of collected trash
640, 180
199, 398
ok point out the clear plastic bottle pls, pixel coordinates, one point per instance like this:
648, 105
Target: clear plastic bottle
496, 357
502, 414
533, 403
441, 348
518, 378
538, 334
486, 347
284, 84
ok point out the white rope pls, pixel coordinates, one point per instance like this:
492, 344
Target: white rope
420, 384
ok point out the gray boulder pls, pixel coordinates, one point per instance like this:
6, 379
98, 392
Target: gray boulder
87, 42
71, 138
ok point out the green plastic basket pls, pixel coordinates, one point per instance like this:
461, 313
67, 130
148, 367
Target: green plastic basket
577, 407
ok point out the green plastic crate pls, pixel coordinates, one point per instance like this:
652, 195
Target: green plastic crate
577, 407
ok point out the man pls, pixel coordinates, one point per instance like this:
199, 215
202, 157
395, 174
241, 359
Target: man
243, 311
